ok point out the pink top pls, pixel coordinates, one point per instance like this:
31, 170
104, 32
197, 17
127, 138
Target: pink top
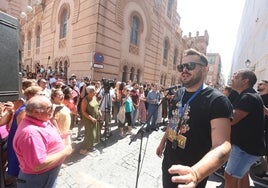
34, 141
3, 131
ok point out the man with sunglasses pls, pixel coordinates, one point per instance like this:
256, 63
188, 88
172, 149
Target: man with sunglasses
197, 139
38, 146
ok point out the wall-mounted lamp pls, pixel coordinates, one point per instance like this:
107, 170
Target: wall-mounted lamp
247, 63
40, 3
29, 9
23, 15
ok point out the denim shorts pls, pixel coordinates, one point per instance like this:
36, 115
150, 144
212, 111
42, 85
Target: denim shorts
239, 162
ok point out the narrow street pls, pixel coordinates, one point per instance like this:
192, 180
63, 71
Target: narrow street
115, 163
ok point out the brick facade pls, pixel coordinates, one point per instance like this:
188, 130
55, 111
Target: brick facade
104, 26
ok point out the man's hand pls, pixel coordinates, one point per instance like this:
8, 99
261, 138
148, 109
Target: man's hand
185, 175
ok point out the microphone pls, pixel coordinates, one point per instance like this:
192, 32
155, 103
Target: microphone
172, 87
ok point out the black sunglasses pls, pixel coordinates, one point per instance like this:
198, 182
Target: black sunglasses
189, 66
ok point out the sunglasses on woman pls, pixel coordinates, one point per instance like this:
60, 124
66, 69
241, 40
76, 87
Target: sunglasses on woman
189, 66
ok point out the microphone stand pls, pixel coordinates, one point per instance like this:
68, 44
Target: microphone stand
142, 131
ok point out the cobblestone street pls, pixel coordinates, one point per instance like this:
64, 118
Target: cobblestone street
114, 164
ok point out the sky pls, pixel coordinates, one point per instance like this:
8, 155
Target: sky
221, 18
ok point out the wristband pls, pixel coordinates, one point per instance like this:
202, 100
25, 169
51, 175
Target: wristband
196, 175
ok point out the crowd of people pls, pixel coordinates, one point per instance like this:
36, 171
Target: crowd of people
205, 128
89, 104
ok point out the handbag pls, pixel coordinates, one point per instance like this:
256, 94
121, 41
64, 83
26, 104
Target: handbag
121, 114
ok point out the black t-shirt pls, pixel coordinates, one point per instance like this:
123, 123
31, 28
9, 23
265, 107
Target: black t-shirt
265, 101
248, 133
209, 104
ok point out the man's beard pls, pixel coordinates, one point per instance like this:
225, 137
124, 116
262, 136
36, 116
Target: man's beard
193, 81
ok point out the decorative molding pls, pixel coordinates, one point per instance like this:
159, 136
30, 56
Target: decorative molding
61, 59
29, 53
133, 49
62, 43
37, 51
119, 15
56, 14
65, 6
129, 65
76, 11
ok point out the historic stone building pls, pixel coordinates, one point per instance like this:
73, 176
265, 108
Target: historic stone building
252, 39
214, 76
140, 40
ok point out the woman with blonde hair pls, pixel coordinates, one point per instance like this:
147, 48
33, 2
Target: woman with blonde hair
62, 115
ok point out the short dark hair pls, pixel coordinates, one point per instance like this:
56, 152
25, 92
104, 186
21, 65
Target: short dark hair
250, 75
228, 88
202, 56
72, 78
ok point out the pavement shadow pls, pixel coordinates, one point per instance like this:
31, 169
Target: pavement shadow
140, 133
75, 156
217, 179
106, 141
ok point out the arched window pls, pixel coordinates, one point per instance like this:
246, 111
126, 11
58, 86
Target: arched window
124, 74
166, 47
134, 30
38, 33
27, 68
61, 69
131, 75
63, 24
175, 58
65, 68
138, 76
56, 67
29, 40
169, 8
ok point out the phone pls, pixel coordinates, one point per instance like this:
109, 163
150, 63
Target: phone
57, 109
